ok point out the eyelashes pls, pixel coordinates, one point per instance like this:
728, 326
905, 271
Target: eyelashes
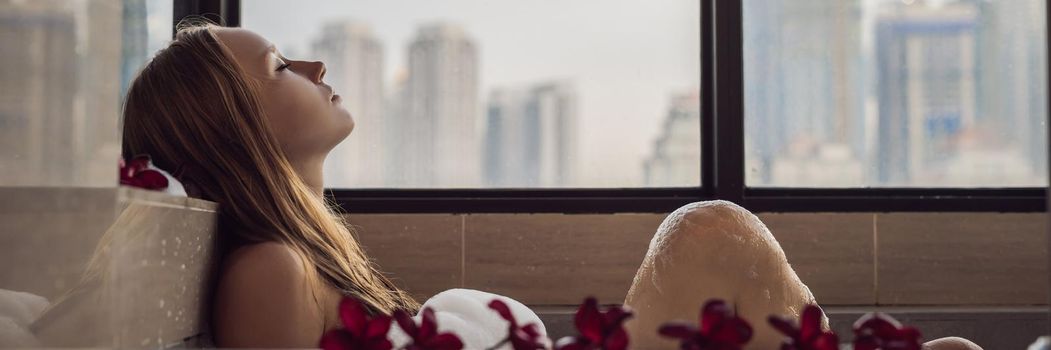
283, 67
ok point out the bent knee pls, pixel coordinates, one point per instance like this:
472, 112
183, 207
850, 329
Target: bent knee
951, 343
716, 219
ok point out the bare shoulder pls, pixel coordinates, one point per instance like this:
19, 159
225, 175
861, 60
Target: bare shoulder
264, 300
267, 257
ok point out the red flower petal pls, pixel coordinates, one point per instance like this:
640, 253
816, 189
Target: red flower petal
616, 316
504, 311
379, 344
713, 314
618, 340
810, 322
444, 341
337, 339
406, 323
139, 162
378, 327
353, 316
150, 179
784, 326
531, 330
826, 341
732, 331
428, 325
589, 321
677, 329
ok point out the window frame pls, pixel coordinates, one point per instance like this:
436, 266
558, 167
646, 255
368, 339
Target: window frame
722, 158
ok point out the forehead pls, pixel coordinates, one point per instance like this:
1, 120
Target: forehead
243, 44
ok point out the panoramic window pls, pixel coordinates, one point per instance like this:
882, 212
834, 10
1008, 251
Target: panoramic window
895, 93
65, 67
504, 94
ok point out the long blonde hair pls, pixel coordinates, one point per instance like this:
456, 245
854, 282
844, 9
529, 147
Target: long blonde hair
196, 113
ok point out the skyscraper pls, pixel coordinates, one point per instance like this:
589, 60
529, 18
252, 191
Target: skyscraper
530, 136
437, 129
60, 91
803, 80
1012, 89
36, 94
354, 61
676, 157
926, 66
100, 64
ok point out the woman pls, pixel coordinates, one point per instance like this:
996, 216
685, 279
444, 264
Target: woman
243, 126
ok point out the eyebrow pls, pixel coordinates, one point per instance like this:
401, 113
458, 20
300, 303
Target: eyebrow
270, 49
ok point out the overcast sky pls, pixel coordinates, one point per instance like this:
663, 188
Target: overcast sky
626, 57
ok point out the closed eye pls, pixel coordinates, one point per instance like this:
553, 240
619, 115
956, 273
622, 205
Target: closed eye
283, 67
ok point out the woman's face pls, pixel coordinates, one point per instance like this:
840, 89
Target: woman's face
306, 116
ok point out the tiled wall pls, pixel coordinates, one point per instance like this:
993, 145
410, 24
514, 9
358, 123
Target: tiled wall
976, 259
147, 281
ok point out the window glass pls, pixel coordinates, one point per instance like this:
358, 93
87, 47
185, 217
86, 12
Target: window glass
66, 64
902, 93
501, 93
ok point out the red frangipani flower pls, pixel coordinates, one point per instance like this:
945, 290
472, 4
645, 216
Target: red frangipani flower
879, 331
598, 330
137, 173
359, 332
720, 329
521, 337
426, 336
809, 335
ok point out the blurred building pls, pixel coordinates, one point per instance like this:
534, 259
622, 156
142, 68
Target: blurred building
530, 137
436, 127
37, 93
676, 157
354, 61
803, 83
927, 87
1012, 85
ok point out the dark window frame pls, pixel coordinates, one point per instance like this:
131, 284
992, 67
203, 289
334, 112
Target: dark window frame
722, 158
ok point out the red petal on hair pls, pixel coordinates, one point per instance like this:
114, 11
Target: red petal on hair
784, 326
151, 179
810, 322
428, 325
677, 329
139, 162
406, 323
713, 314
353, 316
589, 321
378, 327
504, 311
445, 341
337, 339
618, 340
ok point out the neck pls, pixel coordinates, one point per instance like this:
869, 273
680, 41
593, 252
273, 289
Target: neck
310, 171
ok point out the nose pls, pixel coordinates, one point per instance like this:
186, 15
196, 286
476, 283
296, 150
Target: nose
315, 71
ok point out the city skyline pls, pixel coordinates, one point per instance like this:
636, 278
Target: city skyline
884, 93
838, 93
631, 52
